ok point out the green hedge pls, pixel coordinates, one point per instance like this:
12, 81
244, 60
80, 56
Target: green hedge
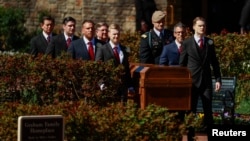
45, 80
113, 122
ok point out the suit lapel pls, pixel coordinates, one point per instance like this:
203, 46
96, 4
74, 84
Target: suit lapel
124, 52
195, 48
84, 49
175, 47
44, 42
206, 46
62, 41
74, 38
109, 47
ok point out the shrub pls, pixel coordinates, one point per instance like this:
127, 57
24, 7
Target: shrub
13, 34
45, 80
113, 122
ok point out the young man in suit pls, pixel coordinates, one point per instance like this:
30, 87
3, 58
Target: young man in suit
199, 55
152, 42
84, 48
171, 52
61, 42
113, 50
39, 43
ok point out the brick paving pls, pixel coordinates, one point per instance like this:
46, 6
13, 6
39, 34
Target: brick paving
198, 137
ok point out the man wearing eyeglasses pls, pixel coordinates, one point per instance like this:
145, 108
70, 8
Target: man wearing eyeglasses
101, 34
152, 42
171, 52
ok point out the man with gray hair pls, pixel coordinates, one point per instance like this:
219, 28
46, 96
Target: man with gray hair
171, 52
152, 42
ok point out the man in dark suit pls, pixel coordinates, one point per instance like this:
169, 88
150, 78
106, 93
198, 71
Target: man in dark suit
171, 52
199, 55
61, 42
245, 18
101, 37
152, 42
113, 50
39, 43
83, 47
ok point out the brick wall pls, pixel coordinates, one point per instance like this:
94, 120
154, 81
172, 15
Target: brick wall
110, 11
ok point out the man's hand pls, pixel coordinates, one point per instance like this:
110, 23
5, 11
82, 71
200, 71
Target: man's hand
217, 86
103, 87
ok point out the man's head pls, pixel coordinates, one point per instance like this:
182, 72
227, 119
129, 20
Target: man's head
69, 26
114, 33
158, 20
102, 31
88, 29
47, 24
179, 32
199, 26
144, 26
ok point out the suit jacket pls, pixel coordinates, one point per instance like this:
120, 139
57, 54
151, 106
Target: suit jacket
79, 50
199, 61
58, 45
245, 14
99, 43
151, 46
170, 55
38, 44
106, 53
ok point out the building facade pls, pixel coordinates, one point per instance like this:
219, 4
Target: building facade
123, 12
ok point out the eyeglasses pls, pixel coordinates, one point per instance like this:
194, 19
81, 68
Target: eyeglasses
179, 32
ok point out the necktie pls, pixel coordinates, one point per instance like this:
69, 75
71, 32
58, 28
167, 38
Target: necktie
115, 49
91, 51
201, 43
68, 42
180, 49
48, 39
161, 35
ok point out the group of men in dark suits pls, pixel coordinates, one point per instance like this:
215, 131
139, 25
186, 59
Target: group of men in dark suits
100, 43
158, 46
61, 42
49, 43
197, 53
